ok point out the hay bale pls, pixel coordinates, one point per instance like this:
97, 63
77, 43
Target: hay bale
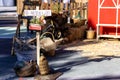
82, 31
71, 37
76, 33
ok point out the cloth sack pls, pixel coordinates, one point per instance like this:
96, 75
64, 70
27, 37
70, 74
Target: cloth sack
24, 68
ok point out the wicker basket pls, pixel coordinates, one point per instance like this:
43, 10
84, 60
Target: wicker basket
43, 65
48, 45
90, 34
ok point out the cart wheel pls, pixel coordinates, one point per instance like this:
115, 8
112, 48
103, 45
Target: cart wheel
58, 34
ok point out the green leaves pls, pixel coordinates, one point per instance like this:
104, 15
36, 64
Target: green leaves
35, 21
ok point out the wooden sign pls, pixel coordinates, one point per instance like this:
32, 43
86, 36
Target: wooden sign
37, 13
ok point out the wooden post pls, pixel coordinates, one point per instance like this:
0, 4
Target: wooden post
38, 46
61, 6
71, 9
50, 4
19, 6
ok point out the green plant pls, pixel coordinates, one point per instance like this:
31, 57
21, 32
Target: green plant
56, 8
35, 21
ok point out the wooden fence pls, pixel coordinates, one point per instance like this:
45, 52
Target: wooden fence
58, 6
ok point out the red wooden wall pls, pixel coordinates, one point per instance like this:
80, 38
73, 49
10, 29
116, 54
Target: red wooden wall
107, 16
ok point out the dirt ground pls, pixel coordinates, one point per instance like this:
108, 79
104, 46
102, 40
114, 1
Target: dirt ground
95, 49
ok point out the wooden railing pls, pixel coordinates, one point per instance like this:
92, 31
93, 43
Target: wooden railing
57, 7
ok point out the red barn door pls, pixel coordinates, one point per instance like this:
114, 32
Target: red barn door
104, 12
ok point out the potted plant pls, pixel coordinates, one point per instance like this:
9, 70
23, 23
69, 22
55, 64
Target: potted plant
36, 23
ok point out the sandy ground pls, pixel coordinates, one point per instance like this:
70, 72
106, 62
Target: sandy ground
95, 49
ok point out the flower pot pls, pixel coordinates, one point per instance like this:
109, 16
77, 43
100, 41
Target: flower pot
35, 27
